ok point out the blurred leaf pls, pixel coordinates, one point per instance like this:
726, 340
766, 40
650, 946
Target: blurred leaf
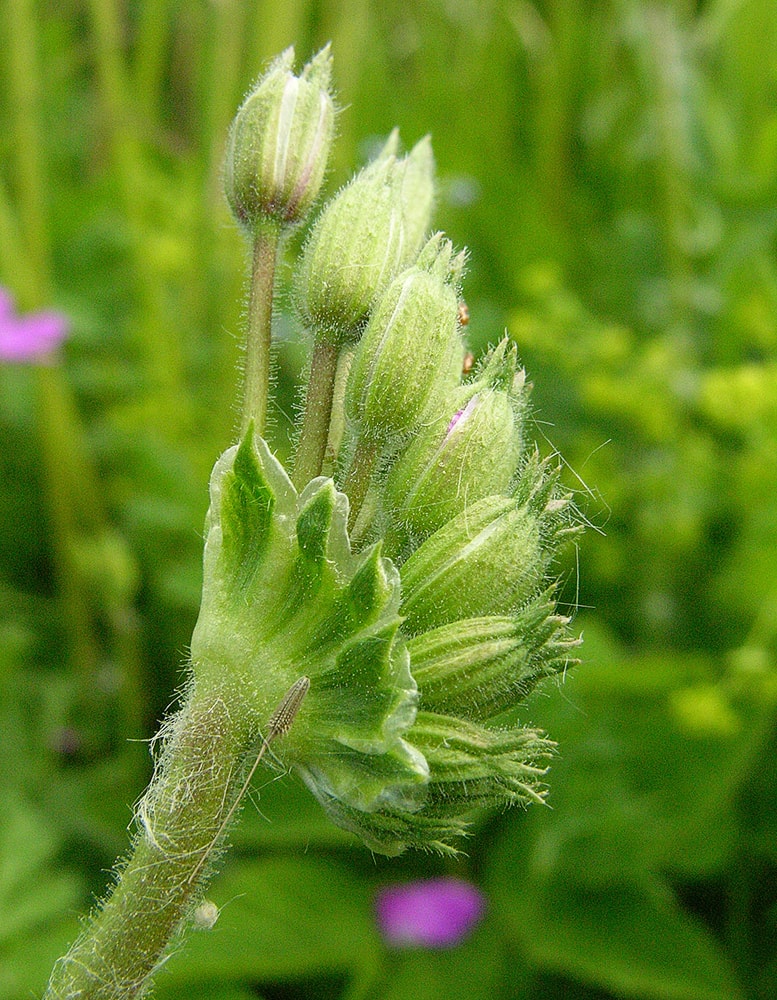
30, 892
283, 814
653, 751
33, 897
281, 918
26, 961
474, 970
633, 940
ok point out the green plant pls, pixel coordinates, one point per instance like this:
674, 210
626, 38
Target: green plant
373, 630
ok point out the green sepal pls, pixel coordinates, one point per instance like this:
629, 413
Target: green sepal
284, 597
478, 668
488, 560
471, 768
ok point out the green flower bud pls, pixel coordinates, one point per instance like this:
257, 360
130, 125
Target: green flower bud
470, 451
358, 245
470, 768
478, 668
488, 560
403, 358
418, 191
279, 142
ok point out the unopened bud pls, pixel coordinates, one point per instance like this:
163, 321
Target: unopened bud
279, 142
418, 193
478, 668
470, 451
362, 239
472, 766
488, 560
403, 358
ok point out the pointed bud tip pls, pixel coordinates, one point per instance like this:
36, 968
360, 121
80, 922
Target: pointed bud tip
319, 69
279, 143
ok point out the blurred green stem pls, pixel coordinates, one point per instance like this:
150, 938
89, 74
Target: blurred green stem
228, 34
55, 411
160, 340
152, 40
73, 499
274, 26
21, 50
672, 109
314, 434
256, 387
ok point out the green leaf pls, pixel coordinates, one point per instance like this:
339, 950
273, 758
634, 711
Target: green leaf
247, 503
207, 990
33, 896
632, 939
477, 969
284, 597
26, 960
652, 753
31, 892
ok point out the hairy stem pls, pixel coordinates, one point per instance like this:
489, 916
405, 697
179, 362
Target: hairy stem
314, 435
256, 387
359, 475
337, 421
181, 818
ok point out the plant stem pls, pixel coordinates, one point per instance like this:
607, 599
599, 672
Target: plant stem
196, 787
360, 474
256, 386
314, 435
337, 422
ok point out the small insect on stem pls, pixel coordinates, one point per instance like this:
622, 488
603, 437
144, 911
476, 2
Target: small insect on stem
468, 363
279, 724
463, 313
286, 712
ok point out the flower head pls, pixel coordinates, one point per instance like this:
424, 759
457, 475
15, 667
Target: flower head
362, 239
279, 142
434, 913
410, 591
30, 338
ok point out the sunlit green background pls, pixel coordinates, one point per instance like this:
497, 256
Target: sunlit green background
612, 167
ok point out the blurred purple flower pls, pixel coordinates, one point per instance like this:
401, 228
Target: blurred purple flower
28, 338
437, 913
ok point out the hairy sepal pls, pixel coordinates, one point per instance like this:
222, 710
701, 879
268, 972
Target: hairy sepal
284, 597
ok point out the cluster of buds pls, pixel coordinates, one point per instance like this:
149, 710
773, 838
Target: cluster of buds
412, 587
379, 627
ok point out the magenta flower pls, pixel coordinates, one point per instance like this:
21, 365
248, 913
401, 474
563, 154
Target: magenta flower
436, 913
28, 338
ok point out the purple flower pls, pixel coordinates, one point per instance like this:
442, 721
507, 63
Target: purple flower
436, 913
28, 338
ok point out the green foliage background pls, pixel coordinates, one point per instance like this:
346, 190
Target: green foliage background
612, 167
